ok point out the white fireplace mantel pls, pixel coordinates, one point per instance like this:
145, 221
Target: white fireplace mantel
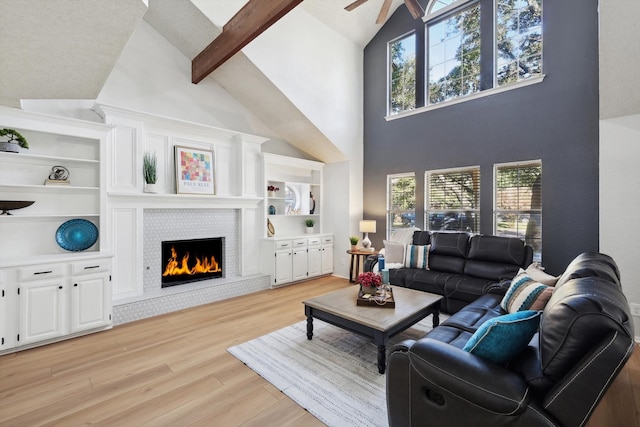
238, 180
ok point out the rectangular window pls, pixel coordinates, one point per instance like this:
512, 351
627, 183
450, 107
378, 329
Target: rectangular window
518, 203
452, 201
401, 201
518, 40
454, 55
402, 74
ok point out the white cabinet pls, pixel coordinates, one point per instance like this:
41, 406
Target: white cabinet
299, 258
282, 269
90, 302
327, 254
42, 310
90, 295
314, 256
299, 261
51, 301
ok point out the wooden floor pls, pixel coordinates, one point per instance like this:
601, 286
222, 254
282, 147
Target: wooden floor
174, 370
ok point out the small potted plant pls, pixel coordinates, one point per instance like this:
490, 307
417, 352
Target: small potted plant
14, 141
309, 223
271, 189
150, 172
354, 242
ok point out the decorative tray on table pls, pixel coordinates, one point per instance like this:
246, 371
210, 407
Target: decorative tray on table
380, 299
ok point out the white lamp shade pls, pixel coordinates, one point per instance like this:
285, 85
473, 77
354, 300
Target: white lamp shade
367, 226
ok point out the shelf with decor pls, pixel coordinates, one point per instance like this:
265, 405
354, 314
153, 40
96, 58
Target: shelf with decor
293, 194
61, 172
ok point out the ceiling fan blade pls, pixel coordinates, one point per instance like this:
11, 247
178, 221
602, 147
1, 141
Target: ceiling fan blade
415, 9
384, 11
354, 5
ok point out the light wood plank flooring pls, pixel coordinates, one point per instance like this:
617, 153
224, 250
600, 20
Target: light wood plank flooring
173, 370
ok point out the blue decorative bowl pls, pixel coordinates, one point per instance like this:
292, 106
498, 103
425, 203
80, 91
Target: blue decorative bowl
76, 235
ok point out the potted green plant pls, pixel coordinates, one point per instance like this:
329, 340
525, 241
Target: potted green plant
14, 141
150, 172
354, 242
309, 223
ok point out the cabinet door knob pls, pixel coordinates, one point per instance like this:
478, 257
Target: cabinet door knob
75, 284
59, 287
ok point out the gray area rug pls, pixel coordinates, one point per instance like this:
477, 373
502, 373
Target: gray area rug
334, 376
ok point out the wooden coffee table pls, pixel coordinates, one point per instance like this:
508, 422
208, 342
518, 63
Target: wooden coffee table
380, 323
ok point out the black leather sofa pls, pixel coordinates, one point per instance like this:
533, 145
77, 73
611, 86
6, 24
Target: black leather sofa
583, 341
462, 267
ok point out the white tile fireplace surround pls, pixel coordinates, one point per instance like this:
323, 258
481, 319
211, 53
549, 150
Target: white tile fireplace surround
179, 224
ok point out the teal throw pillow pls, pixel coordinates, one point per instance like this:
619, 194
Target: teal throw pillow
501, 339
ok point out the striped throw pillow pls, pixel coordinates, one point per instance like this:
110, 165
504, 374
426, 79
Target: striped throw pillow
525, 294
417, 256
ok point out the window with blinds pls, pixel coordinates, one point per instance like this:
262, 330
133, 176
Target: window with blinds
401, 201
518, 203
452, 199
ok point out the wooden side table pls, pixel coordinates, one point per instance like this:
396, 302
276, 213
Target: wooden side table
354, 269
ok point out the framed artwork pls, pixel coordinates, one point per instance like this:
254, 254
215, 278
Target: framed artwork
194, 171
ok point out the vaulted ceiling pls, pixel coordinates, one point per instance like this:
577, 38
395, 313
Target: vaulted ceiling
66, 49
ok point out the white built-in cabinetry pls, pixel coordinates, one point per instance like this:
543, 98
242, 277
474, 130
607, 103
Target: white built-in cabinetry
292, 259
290, 256
46, 292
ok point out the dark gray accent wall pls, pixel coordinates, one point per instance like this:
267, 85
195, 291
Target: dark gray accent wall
555, 121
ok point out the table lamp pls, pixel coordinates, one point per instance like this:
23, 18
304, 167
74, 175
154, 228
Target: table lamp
367, 226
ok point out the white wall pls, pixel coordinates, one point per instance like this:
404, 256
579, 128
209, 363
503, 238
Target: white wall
154, 77
620, 201
321, 72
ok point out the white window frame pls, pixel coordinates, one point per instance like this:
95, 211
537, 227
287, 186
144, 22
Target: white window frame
389, 73
537, 256
389, 224
481, 94
427, 209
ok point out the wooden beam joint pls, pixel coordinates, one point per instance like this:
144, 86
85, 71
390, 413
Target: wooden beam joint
250, 21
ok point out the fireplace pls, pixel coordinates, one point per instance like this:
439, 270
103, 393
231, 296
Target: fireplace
192, 260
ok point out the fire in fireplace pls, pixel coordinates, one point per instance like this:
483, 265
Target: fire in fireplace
185, 261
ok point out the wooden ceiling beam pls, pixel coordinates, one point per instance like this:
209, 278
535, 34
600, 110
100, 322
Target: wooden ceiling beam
250, 21
415, 9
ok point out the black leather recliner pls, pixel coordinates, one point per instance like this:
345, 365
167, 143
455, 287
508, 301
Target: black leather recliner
585, 338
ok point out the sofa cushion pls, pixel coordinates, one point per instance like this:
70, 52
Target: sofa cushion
497, 249
421, 238
591, 264
393, 252
524, 293
466, 288
416, 256
450, 244
419, 279
501, 339
490, 270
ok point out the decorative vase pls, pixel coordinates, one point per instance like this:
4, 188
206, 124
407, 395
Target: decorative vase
271, 193
371, 290
354, 247
309, 230
9, 147
150, 188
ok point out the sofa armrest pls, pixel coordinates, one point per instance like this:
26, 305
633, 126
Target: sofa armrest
457, 374
370, 262
499, 288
